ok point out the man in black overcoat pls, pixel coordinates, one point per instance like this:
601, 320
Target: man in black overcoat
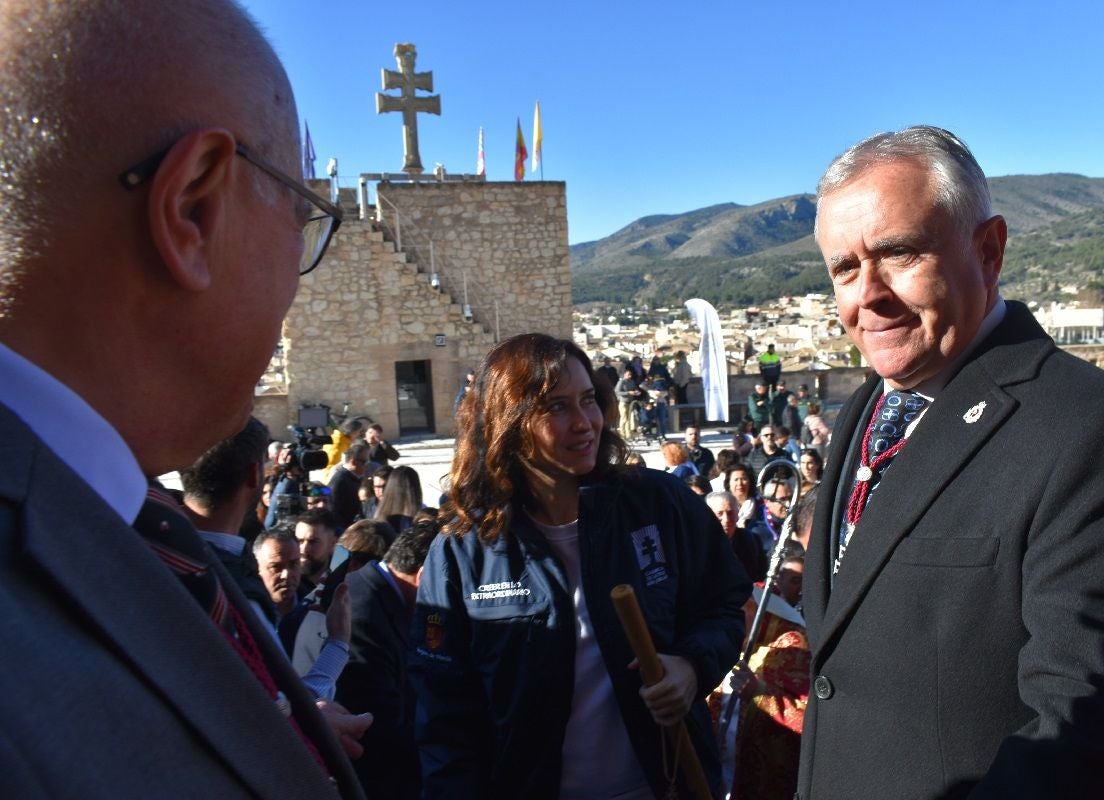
956, 618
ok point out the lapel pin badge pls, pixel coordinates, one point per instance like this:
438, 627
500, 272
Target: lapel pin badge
974, 414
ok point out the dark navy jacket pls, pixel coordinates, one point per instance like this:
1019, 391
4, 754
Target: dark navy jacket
494, 635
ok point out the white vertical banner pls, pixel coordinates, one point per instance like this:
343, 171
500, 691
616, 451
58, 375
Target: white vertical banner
481, 159
711, 353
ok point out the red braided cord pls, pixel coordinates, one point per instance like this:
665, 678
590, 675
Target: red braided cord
857, 502
247, 649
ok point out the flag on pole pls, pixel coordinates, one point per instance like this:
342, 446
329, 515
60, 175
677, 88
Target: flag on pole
714, 365
308, 154
537, 138
481, 160
520, 154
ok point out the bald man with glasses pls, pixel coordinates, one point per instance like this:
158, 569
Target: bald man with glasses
153, 238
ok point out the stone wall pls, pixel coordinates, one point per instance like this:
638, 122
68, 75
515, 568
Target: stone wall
509, 239
370, 305
831, 388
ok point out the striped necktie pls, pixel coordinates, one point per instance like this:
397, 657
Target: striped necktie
173, 538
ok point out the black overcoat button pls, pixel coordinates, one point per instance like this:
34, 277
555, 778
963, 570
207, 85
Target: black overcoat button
823, 687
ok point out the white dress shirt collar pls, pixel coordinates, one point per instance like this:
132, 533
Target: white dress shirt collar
70, 427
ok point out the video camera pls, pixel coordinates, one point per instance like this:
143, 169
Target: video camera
304, 454
310, 434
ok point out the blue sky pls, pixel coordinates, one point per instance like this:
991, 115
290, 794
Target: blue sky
655, 108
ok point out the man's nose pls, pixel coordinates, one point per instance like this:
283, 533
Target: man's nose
872, 286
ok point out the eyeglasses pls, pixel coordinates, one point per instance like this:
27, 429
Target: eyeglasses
323, 221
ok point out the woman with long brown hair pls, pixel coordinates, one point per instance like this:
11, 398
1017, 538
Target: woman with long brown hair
524, 677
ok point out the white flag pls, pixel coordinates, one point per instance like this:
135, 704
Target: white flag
481, 160
714, 365
538, 139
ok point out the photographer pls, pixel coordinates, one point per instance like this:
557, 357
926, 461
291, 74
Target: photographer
294, 463
287, 495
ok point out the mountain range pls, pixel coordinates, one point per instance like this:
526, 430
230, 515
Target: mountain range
731, 254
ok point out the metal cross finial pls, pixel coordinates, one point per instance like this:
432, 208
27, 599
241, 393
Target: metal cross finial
408, 81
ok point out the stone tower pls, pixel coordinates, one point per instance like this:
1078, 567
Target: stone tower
414, 292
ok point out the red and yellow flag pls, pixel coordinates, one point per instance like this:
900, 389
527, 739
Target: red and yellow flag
520, 154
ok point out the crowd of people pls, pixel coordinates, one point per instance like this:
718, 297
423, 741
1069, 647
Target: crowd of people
351, 638
942, 635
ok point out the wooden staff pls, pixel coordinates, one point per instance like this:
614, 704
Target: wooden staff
651, 670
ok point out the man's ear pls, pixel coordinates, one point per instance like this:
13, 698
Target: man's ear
188, 197
989, 239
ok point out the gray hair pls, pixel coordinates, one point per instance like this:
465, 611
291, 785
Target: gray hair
961, 188
282, 534
729, 496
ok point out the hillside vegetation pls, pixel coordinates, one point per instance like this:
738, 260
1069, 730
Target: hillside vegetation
744, 255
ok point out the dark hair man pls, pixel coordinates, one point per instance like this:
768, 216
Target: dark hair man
345, 483
383, 594
316, 532
220, 490
922, 690
777, 495
172, 128
759, 405
702, 457
379, 449
765, 450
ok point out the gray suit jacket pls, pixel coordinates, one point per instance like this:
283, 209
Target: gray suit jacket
959, 651
115, 682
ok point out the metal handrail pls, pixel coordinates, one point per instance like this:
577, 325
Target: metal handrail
402, 232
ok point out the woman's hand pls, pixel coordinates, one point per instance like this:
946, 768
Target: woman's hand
670, 699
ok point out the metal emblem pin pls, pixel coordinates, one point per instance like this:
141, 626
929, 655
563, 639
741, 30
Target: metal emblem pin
974, 414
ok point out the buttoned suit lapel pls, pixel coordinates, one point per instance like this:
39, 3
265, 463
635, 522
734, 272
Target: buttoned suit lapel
137, 606
948, 436
818, 568
941, 444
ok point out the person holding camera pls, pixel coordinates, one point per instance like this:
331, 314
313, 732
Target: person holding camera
379, 450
